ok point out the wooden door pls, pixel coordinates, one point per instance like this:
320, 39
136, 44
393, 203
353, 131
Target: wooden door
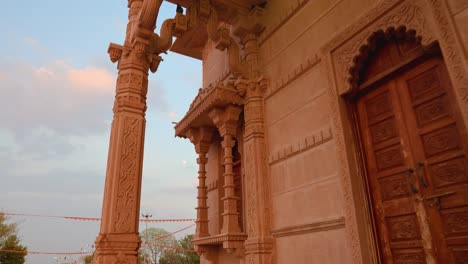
415, 151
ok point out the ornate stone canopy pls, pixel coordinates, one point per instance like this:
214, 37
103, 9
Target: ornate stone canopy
207, 99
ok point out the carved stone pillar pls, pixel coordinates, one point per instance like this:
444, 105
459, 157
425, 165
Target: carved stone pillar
226, 120
259, 243
201, 138
118, 240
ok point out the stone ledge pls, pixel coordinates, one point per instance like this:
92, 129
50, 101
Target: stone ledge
307, 143
219, 239
325, 225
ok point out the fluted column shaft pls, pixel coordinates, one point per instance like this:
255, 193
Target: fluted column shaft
201, 139
230, 214
202, 208
226, 120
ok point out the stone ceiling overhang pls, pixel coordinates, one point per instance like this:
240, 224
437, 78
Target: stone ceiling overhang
206, 100
242, 6
192, 42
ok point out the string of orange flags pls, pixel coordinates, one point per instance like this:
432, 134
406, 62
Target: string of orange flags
27, 252
98, 219
24, 252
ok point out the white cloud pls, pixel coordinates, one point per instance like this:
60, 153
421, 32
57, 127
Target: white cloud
57, 96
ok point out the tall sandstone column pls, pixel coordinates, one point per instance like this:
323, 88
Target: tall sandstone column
118, 240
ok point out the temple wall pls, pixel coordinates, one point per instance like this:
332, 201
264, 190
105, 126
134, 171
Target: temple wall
307, 193
459, 11
215, 64
301, 144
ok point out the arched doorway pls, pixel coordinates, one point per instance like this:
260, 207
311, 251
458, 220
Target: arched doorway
414, 147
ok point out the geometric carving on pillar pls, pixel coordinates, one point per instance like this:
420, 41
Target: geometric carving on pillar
118, 240
201, 138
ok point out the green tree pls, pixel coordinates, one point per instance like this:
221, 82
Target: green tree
179, 256
151, 251
87, 259
9, 241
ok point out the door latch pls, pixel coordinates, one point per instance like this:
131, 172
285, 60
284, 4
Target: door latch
435, 199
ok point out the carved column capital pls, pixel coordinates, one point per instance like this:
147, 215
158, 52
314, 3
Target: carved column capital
249, 26
252, 88
201, 138
226, 119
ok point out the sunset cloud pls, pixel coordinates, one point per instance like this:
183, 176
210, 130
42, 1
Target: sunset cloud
92, 78
172, 115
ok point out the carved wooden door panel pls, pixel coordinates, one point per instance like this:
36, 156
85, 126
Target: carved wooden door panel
415, 153
439, 142
392, 183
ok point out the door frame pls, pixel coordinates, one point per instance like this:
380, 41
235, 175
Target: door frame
351, 100
431, 20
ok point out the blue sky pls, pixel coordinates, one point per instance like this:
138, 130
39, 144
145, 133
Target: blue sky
56, 91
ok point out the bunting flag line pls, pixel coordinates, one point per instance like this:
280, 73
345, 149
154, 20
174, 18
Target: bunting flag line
77, 218
44, 253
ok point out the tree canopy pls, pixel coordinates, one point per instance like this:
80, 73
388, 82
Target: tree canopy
10, 241
179, 256
160, 247
151, 251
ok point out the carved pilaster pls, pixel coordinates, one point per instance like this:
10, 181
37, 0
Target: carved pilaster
259, 243
226, 121
201, 138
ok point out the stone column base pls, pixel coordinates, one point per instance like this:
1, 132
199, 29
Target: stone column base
259, 251
117, 249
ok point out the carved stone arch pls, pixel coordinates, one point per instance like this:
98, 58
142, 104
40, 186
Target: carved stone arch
402, 43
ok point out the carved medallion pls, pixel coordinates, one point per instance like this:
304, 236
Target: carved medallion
424, 84
456, 222
403, 227
449, 172
389, 157
378, 107
432, 110
394, 186
382, 131
441, 140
